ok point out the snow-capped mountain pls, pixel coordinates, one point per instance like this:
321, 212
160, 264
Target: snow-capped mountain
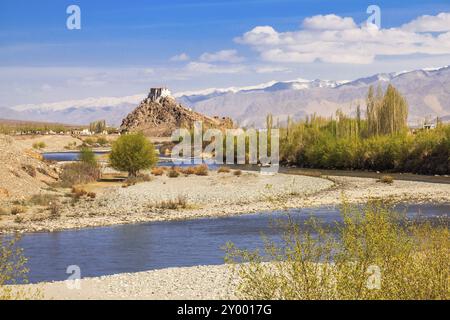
427, 92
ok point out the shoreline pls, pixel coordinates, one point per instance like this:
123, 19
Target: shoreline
203, 282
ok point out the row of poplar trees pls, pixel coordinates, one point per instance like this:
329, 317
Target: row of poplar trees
386, 114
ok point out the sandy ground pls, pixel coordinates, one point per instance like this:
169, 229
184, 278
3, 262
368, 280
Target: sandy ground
54, 143
189, 283
219, 195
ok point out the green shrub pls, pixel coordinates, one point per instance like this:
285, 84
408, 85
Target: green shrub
13, 270
377, 255
132, 153
87, 156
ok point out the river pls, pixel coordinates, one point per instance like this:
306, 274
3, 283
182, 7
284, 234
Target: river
156, 245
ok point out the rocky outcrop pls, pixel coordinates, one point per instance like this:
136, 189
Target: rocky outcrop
160, 117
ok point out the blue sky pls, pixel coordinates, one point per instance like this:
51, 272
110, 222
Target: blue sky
124, 47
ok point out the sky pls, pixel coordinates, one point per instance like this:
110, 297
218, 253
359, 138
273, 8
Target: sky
125, 47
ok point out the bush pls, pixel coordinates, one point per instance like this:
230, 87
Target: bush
224, 170
132, 153
87, 156
386, 180
18, 209
78, 192
78, 173
92, 195
172, 173
201, 170
188, 171
54, 209
13, 271
377, 255
157, 171
237, 173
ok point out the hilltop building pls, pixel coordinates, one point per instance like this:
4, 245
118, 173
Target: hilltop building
156, 93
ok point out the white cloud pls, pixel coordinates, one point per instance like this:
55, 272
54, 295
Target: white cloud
439, 23
271, 69
180, 57
221, 56
334, 39
202, 67
328, 22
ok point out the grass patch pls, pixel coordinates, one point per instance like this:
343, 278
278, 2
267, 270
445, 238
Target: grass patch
78, 173
39, 145
42, 199
173, 204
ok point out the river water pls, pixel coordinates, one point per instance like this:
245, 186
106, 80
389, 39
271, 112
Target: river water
156, 245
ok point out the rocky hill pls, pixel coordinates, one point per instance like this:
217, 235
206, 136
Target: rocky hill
21, 170
159, 117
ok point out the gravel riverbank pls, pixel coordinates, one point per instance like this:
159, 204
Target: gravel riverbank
218, 195
188, 283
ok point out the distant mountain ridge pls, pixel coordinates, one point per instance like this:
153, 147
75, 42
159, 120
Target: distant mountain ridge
427, 92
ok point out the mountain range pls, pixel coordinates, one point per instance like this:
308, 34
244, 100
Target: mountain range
426, 90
